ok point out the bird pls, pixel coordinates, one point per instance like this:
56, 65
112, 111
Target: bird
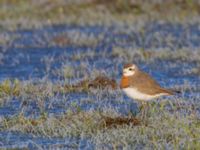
140, 86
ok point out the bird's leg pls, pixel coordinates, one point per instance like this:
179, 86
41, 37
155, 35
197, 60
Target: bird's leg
144, 111
142, 106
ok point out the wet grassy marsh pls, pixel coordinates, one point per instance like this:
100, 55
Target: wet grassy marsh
59, 77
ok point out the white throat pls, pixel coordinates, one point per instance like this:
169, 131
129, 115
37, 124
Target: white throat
127, 73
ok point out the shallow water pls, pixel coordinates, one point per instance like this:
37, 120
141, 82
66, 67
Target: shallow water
32, 55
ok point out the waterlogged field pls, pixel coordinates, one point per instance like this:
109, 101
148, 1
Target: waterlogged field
59, 87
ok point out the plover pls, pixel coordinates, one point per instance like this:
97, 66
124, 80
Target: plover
139, 86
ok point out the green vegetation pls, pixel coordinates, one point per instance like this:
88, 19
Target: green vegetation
167, 127
27, 14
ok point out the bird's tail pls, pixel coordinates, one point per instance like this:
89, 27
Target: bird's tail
171, 91
176, 91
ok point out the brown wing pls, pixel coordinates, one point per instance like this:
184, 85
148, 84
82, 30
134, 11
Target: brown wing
147, 84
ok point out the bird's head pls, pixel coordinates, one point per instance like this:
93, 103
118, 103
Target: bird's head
129, 69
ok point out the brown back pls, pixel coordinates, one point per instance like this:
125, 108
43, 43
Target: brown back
146, 84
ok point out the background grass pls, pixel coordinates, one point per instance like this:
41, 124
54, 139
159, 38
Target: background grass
15, 14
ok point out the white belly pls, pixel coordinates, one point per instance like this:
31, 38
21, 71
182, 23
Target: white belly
137, 95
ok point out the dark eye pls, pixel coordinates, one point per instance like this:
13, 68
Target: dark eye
130, 69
